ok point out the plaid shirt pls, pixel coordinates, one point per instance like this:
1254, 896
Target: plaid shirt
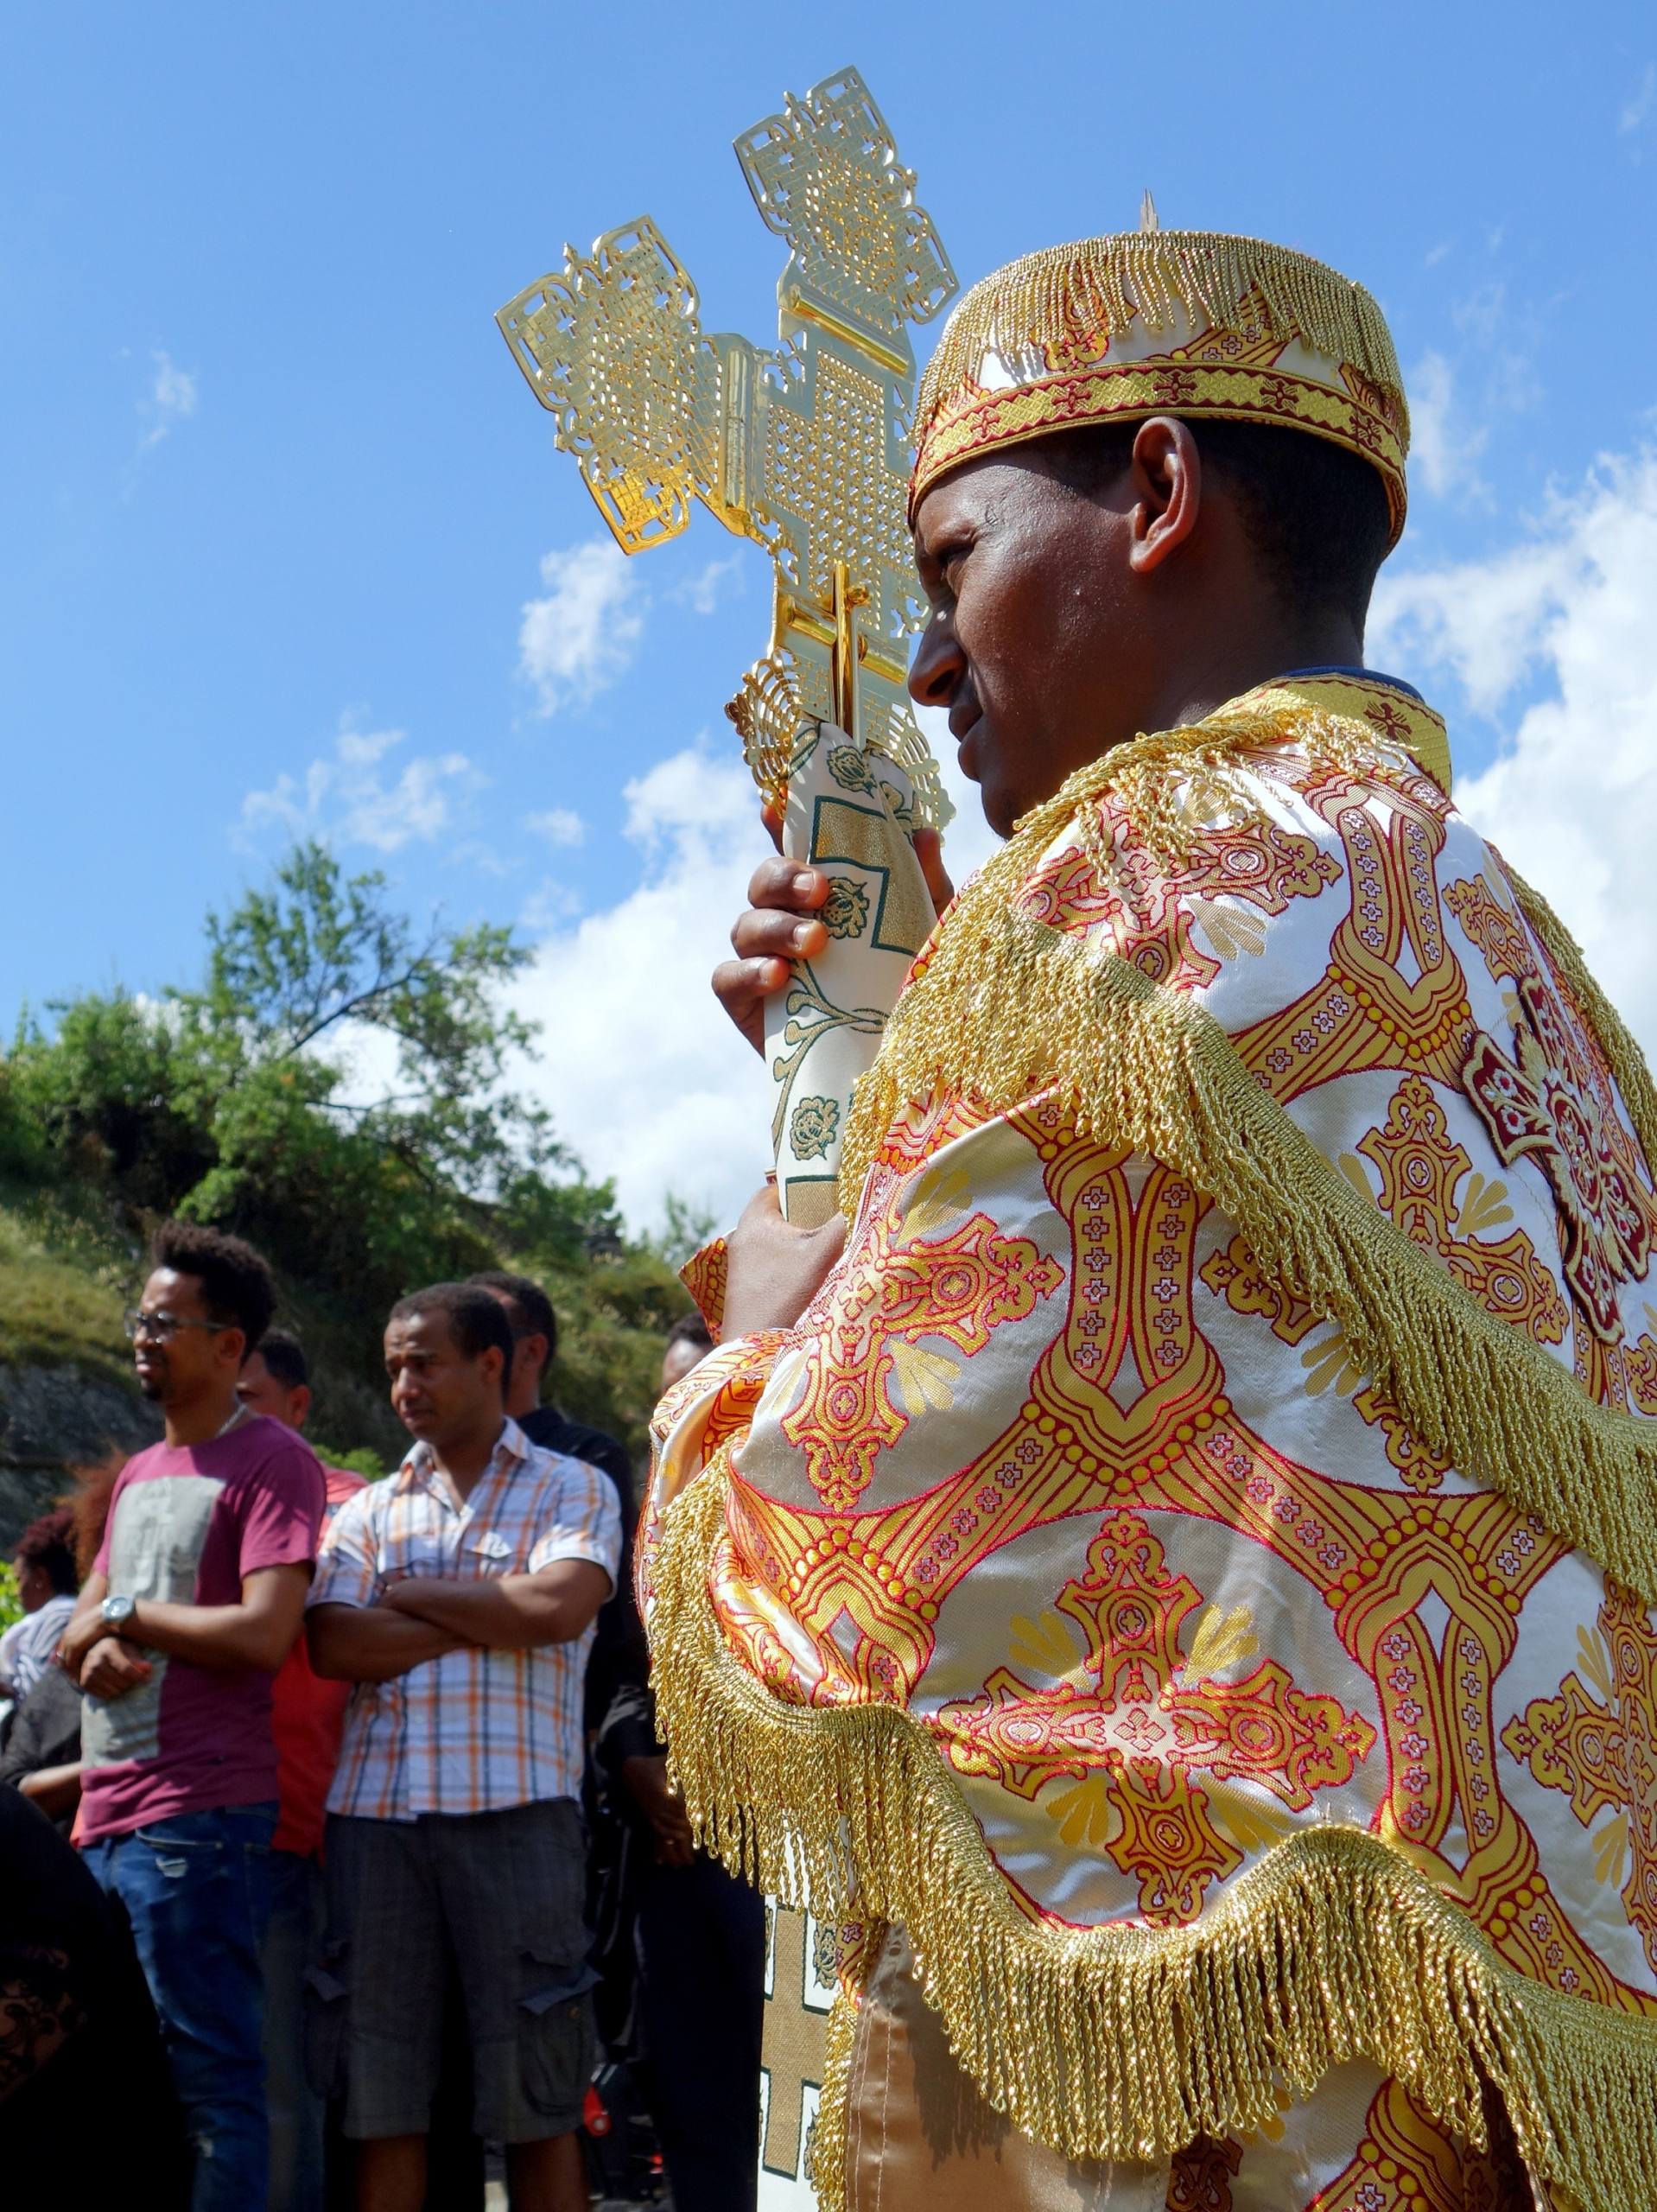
472, 1730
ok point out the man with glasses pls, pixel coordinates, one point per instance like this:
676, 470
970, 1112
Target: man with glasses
193, 1602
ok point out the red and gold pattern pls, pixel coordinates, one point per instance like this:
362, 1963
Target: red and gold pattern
866, 1372
1075, 1573
703, 1275
1600, 1749
1144, 1719
1151, 913
1185, 322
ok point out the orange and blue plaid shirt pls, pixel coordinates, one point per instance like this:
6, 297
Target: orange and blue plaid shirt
472, 1730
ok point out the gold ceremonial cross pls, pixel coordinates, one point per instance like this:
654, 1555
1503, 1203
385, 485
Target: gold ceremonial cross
792, 2048
804, 449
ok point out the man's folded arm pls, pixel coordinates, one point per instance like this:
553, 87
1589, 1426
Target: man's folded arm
373, 1643
507, 1613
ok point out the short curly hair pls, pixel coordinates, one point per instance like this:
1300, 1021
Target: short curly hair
49, 1542
236, 1288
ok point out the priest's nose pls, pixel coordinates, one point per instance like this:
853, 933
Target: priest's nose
939, 664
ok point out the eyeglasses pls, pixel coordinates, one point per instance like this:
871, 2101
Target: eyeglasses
163, 1326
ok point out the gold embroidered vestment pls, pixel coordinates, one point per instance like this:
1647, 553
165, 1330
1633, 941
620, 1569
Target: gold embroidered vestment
1192, 1568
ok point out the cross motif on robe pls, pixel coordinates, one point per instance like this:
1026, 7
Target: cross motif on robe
1532, 1107
792, 2046
1389, 719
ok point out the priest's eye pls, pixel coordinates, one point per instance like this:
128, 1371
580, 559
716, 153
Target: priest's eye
948, 561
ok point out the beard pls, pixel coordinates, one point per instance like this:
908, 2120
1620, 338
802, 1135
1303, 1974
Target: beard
153, 1386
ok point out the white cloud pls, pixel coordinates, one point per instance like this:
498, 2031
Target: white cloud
1443, 450
1483, 312
1572, 797
646, 1080
560, 825
171, 400
704, 592
1640, 102
582, 635
347, 800
369, 1058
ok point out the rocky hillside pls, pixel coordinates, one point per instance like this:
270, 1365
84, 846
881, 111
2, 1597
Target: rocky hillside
66, 1394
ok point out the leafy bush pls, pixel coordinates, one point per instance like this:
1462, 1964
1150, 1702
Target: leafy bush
357, 1461
239, 1102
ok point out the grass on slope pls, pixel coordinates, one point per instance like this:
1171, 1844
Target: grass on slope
61, 1298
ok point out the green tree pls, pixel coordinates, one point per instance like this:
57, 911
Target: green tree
239, 1102
304, 962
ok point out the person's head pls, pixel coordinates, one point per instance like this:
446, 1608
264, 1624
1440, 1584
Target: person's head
206, 1304
45, 1560
448, 1349
275, 1379
535, 1334
1109, 530
689, 1344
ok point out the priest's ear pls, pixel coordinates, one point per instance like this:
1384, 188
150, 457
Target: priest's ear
1166, 471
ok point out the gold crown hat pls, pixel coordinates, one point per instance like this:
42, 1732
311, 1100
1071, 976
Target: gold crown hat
1193, 323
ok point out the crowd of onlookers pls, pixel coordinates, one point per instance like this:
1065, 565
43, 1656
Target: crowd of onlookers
377, 1870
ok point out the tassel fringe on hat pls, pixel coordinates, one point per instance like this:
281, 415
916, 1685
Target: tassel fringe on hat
1193, 323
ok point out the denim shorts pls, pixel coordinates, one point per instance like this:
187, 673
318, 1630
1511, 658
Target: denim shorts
499, 1894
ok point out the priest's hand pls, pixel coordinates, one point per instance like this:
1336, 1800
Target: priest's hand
775, 1270
781, 926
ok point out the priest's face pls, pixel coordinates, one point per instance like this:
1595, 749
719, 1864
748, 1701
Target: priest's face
1042, 642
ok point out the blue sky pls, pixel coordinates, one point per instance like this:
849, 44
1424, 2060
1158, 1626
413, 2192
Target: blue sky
277, 500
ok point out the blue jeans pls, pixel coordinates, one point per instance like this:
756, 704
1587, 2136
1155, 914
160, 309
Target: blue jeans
196, 1889
292, 1941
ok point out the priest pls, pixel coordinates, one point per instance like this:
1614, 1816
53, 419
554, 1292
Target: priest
1168, 1573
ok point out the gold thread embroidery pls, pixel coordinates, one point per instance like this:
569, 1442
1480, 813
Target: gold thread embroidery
1121, 2042
1002, 1008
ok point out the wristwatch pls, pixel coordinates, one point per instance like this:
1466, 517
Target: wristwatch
117, 1611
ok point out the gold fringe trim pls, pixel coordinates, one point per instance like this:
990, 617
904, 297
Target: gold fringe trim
1094, 287
1005, 1007
1126, 2042
1177, 786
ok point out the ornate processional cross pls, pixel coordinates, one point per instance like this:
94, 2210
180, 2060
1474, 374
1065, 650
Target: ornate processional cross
794, 2045
804, 449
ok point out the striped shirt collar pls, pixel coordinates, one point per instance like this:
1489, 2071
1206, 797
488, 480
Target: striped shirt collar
420, 1469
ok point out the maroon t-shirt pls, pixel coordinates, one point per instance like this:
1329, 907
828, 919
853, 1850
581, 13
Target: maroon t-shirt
186, 1525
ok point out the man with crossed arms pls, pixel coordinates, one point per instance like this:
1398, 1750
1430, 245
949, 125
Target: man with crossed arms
460, 1596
